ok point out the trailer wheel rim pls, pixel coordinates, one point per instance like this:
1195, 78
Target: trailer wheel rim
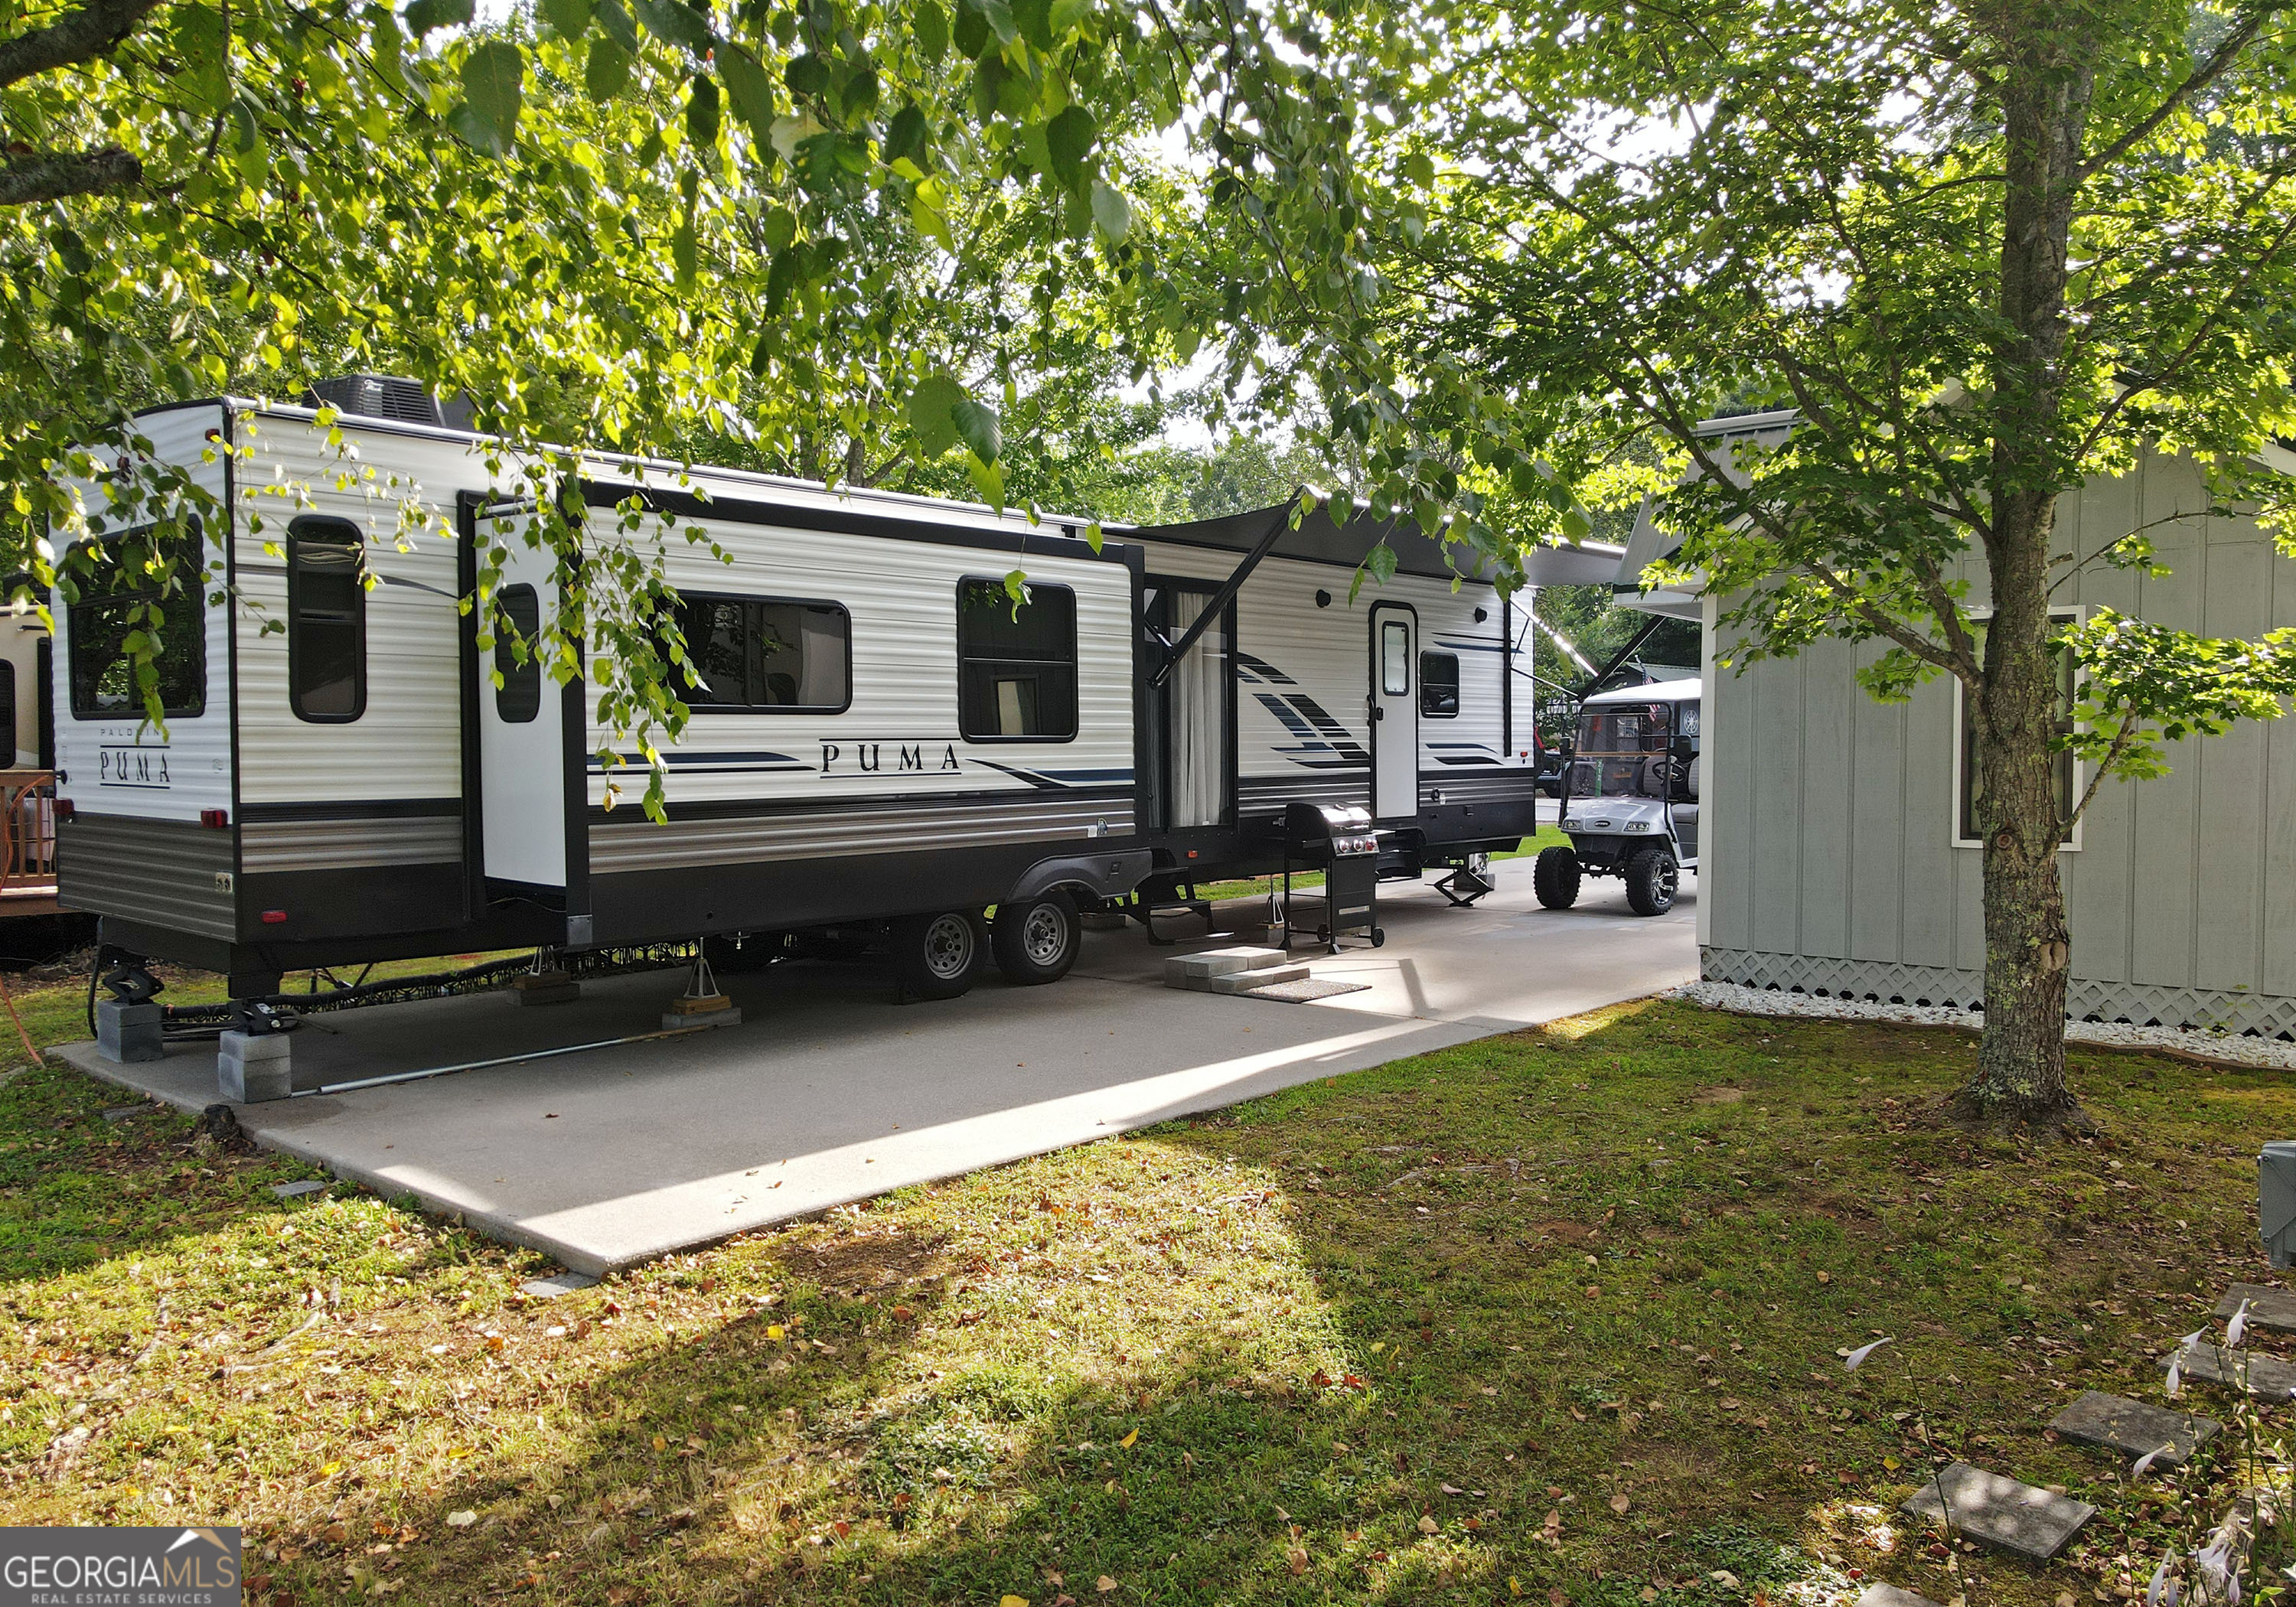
948, 947
1045, 935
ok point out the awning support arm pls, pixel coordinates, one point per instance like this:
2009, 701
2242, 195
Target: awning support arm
1221, 598
1626, 653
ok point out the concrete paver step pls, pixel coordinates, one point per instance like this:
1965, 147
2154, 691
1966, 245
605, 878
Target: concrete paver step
1878, 1595
2023, 1520
2135, 1428
2268, 1308
2249, 1370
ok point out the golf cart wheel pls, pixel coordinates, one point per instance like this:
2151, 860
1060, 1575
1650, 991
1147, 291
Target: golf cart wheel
1651, 876
1554, 877
936, 957
1036, 939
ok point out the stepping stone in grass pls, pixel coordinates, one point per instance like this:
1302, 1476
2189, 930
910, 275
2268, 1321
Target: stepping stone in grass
2019, 1519
2267, 1377
2133, 1427
1890, 1595
295, 1191
2268, 1308
554, 1286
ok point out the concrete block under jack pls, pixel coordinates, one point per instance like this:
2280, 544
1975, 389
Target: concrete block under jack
253, 1067
129, 1033
547, 988
709, 1010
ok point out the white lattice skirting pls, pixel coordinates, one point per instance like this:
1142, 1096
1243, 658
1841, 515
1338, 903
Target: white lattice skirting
2139, 1004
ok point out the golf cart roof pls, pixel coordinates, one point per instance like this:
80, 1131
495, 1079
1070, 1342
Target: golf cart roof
1655, 692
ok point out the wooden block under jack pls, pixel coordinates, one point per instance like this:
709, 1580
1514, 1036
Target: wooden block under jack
547, 988
705, 1010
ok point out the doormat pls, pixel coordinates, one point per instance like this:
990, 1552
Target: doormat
1305, 990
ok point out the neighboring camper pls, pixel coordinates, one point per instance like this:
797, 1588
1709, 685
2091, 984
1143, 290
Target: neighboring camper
1629, 797
882, 742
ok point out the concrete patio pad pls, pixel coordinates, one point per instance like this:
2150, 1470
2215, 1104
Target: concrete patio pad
829, 1093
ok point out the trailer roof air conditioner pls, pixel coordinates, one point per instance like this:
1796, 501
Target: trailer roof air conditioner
400, 400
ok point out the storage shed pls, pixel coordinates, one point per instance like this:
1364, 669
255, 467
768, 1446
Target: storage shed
1839, 859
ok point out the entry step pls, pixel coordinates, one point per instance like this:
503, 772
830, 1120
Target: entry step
1198, 972
1252, 981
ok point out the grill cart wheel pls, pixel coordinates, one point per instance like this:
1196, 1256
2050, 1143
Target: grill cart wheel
936, 957
1036, 939
1554, 877
1651, 876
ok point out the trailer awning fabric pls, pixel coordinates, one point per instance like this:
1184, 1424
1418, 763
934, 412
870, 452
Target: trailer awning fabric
1320, 540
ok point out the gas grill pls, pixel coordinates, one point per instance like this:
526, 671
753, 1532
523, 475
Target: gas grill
1339, 842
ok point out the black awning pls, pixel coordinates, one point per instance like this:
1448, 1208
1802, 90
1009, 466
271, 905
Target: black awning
1318, 539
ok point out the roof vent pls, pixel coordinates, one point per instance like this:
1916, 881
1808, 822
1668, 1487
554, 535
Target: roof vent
402, 401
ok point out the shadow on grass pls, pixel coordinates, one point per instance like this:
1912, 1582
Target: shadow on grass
1556, 1312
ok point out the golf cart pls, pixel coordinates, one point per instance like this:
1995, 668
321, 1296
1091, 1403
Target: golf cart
1629, 797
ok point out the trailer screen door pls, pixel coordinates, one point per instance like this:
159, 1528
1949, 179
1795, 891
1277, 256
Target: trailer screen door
1394, 712
523, 776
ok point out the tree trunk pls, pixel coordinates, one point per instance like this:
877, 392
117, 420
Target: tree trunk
2046, 82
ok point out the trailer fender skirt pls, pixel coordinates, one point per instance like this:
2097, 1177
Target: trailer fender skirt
1110, 875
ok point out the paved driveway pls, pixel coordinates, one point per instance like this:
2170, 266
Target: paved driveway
829, 1093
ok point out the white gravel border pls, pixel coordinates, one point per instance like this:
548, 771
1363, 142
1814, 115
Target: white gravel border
2215, 1048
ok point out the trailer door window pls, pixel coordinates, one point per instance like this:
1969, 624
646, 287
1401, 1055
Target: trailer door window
119, 599
519, 699
326, 620
1016, 662
1439, 685
765, 655
1394, 658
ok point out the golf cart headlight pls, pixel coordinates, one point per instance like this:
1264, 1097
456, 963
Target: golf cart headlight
1638, 825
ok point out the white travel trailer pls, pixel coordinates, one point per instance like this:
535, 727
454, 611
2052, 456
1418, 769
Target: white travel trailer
881, 743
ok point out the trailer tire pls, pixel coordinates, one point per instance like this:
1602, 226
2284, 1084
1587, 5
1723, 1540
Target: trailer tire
1036, 939
936, 957
1554, 877
1651, 876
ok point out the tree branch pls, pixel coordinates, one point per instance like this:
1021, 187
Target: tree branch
78, 36
2244, 33
55, 175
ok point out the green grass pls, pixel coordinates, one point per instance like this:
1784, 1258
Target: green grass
1258, 886
1554, 1315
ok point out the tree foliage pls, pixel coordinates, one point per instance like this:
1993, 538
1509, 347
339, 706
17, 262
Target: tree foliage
1984, 253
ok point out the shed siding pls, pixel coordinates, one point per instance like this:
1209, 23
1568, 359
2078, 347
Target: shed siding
1833, 863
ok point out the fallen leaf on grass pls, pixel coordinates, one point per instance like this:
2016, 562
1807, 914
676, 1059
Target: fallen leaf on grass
1104, 1584
1618, 1504
1555, 1596
1130, 1440
1428, 1526
1014, 1601
462, 1519
1298, 1559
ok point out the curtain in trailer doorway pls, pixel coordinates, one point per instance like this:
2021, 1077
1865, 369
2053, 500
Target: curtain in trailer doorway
1198, 694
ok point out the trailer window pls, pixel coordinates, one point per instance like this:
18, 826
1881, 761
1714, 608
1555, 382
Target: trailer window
326, 620
116, 602
519, 698
765, 655
1439, 685
1016, 663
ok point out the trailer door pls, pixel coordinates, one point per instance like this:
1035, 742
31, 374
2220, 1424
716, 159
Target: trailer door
1394, 711
528, 783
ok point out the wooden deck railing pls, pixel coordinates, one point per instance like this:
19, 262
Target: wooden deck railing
28, 834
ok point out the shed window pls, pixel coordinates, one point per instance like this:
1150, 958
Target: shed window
326, 620
765, 655
1016, 662
1439, 685
118, 600
2061, 763
519, 698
